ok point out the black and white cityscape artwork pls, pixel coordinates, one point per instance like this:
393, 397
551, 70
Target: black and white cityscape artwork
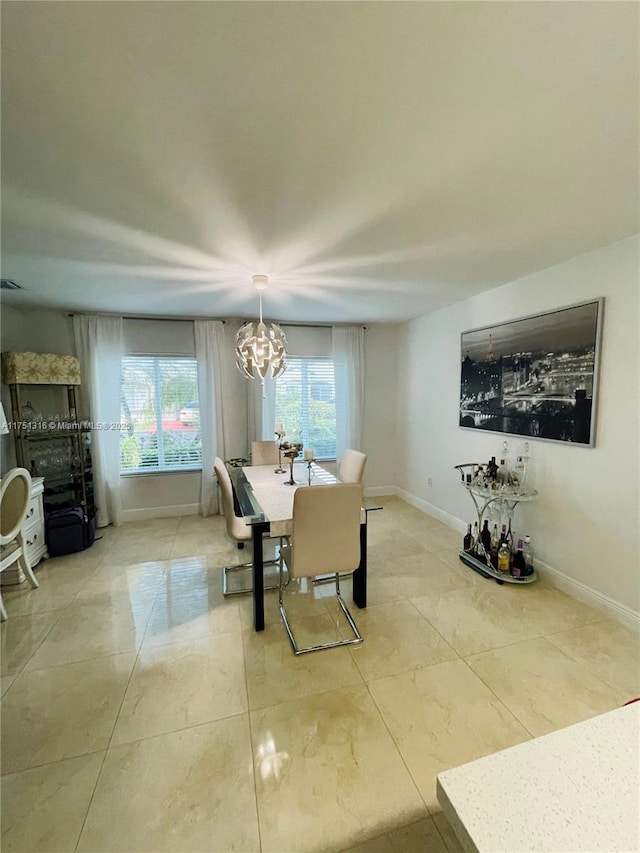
536, 376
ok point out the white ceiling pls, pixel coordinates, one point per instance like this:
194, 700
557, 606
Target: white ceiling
377, 160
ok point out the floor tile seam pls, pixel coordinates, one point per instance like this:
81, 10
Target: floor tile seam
27, 672
211, 635
438, 830
398, 750
524, 639
127, 743
361, 684
501, 701
574, 658
251, 742
172, 731
5, 775
430, 623
44, 637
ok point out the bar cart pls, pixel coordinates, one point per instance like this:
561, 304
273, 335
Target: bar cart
497, 500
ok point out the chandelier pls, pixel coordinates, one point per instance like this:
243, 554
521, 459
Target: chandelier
261, 348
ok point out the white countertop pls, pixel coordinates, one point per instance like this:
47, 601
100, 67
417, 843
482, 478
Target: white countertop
571, 791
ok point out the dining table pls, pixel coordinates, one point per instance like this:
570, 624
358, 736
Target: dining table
264, 498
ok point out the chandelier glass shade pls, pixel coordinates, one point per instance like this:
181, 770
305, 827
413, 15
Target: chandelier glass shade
261, 348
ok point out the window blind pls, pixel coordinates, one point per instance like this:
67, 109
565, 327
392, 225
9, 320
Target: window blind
306, 403
160, 404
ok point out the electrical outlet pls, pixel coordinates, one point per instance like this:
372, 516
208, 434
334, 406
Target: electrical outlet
430, 482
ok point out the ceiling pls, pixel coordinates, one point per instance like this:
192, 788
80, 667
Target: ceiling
377, 160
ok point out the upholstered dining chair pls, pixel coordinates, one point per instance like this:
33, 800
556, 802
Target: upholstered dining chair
264, 453
325, 536
237, 529
351, 468
15, 494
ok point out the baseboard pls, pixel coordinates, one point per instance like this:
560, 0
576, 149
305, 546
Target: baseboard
380, 491
554, 577
160, 512
588, 595
434, 511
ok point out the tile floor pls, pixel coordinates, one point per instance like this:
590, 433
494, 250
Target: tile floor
142, 713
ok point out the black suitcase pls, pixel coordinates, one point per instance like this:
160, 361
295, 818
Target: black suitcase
68, 530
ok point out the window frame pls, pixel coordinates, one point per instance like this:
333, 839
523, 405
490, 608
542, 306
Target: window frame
163, 471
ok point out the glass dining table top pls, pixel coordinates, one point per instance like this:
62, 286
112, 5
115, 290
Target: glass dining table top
265, 496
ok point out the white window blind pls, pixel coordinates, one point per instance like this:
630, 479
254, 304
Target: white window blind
160, 404
306, 403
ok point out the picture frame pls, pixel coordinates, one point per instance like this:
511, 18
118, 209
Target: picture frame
536, 376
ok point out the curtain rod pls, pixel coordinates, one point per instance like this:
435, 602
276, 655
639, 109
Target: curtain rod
145, 317
191, 320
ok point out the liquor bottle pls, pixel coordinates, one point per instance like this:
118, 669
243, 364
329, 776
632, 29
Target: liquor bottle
518, 567
495, 544
528, 556
492, 469
503, 474
475, 538
518, 474
504, 557
466, 542
503, 535
485, 537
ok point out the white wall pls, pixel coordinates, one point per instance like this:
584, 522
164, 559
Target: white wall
585, 521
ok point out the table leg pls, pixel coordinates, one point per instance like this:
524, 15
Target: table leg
360, 574
257, 531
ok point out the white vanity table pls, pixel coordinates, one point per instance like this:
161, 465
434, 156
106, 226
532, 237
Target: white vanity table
33, 532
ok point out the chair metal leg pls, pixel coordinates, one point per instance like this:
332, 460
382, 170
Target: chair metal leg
320, 646
226, 570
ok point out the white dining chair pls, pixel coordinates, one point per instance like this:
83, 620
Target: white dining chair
15, 494
264, 453
237, 530
352, 466
325, 536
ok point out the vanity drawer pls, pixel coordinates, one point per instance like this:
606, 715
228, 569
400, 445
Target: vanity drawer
34, 512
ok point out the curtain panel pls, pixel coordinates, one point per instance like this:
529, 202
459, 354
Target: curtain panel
99, 346
211, 358
348, 358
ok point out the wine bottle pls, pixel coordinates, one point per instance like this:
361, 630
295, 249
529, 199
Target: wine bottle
518, 567
466, 542
504, 557
485, 537
475, 537
528, 555
503, 475
495, 544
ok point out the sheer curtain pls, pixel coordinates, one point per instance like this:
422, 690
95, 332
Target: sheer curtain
262, 410
99, 347
212, 366
348, 359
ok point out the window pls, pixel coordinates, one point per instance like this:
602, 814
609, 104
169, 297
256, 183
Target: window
306, 403
160, 405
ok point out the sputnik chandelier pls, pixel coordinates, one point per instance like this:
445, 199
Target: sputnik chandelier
261, 348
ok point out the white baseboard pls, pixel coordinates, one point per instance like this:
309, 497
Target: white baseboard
160, 512
434, 511
554, 577
588, 595
380, 491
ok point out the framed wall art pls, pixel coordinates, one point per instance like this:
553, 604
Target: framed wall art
536, 376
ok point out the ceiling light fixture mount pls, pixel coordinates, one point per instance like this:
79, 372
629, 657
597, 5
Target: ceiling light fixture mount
261, 348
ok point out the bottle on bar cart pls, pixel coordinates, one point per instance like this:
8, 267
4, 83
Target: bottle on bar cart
504, 558
528, 556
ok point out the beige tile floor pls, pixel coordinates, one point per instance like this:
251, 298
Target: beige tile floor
140, 711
